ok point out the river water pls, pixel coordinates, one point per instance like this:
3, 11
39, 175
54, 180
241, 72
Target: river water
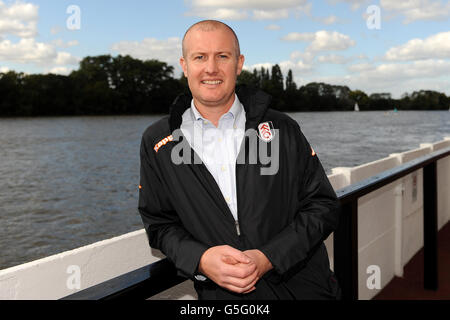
71, 181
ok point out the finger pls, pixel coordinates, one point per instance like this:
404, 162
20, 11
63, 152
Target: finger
242, 282
239, 270
229, 259
246, 289
237, 254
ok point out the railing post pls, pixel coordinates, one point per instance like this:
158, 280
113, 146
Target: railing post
346, 250
430, 232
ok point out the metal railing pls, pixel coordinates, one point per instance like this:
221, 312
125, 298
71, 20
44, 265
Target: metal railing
346, 236
161, 275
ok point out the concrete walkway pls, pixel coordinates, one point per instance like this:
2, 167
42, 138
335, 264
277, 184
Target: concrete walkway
410, 286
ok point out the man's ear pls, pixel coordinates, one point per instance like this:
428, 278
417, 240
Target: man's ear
183, 65
240, 65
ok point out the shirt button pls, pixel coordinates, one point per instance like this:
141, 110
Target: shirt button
235, 126
228, 199
205, 122
223, 168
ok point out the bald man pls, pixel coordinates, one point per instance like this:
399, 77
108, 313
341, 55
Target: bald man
239, 228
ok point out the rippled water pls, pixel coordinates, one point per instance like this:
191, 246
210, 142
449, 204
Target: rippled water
71, 181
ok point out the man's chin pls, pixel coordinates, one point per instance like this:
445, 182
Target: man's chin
213, 100
213, 103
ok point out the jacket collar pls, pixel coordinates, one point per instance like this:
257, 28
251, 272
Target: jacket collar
255, 104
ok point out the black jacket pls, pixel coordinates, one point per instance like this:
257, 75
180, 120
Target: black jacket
287, 215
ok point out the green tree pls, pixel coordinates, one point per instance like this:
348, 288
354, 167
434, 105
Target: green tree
429, 100
11, 94
382, 101
360, 97
48, 95
248, 78
290, 83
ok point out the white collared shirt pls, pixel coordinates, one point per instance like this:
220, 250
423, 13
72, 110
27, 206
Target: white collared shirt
218, 147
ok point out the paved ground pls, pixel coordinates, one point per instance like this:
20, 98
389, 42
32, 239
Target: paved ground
410, 286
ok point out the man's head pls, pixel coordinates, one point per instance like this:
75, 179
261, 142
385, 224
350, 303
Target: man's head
211, 25
211, 62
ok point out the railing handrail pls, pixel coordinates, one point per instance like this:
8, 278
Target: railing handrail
137, 284
162, 275
377, 181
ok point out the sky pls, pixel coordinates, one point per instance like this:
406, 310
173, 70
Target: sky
376, 46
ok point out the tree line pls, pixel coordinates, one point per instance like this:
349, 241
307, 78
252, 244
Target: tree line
107, 85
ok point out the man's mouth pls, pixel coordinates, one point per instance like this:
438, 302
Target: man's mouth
212, 82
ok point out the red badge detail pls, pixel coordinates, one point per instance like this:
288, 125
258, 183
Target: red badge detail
265, 131
163, 142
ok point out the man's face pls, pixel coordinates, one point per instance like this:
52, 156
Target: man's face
211, 66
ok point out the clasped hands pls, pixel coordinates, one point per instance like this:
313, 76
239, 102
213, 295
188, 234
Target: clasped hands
232, 269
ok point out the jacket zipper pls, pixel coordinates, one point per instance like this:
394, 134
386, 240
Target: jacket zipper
236, 222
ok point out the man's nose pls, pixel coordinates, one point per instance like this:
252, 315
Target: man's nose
212, 66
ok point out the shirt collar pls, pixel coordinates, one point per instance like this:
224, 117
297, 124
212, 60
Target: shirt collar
235, 109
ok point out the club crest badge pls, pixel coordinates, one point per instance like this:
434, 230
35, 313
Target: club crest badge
266, 131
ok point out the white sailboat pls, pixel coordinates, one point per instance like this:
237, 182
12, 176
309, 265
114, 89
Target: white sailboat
356, 106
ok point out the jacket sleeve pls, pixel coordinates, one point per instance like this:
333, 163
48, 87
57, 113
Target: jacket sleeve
316, 217
162, 223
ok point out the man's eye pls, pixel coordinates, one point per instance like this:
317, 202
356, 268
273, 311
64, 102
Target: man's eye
198, 57
222, 56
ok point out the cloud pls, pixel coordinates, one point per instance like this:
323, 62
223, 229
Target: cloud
249, 4
435, 46
272, 27
168, 50
360, 67
55, 30
395, 78
265, 65
334, 59
30, 51
322, 40
65, 58
415, 10
219, 14
61, 70
26, 50
355, 4
19, 19
412, 10
245, 9
306, 56
297, 67
430, 68
270, 14
297, 36
328, 20
61, 44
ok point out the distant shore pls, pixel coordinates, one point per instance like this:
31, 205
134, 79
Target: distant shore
122, 85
